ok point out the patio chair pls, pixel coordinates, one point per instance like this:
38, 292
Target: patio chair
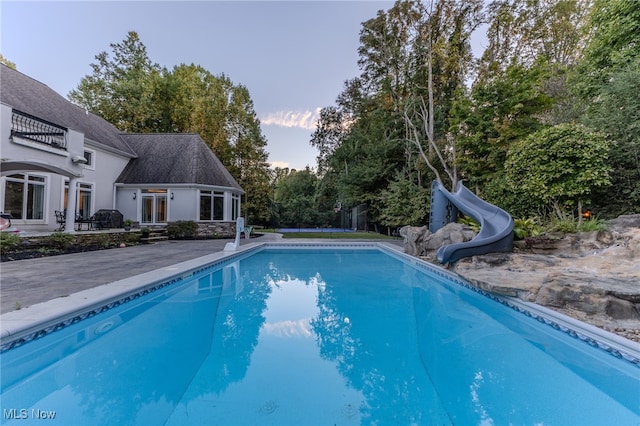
5, 221
61, 220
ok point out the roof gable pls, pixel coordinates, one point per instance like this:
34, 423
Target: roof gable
25, 94
174, 158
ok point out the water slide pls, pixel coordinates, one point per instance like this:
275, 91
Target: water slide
496, 225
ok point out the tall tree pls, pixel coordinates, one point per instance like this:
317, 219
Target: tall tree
414, 61
294, 196
136, 95
7, 62
523, 31
248, 156
614, 27
443, 54
608, 80
199, 104
331, 128
123, 88
497, 114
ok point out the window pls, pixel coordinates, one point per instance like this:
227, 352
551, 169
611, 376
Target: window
90, 156
24, 196
84, 197
211, 205
235, 206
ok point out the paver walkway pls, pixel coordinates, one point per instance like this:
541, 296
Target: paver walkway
27, 282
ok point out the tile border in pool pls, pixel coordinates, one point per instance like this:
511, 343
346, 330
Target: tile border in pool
22, 326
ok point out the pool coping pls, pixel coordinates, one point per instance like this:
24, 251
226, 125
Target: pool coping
21, 326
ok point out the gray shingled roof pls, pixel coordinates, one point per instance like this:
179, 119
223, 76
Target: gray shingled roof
172, 158
25, 94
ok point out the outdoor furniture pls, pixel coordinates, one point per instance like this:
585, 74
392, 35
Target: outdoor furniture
81, 221
105, 219
61, 220
5, 221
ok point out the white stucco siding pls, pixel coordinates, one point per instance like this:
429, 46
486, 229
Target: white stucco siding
106, 168
38, 156
125, 203
183, 206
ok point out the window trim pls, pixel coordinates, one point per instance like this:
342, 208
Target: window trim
90, 165
25, 180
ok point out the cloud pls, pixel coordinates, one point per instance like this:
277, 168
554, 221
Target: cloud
289, 328
301, 119
281, 164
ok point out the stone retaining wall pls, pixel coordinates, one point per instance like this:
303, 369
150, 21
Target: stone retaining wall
216, 230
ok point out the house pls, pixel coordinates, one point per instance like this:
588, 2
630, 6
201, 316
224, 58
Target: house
48, 145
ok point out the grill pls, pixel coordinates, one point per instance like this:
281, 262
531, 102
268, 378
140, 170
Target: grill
103, 219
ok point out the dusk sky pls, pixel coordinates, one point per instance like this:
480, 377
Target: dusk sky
293, 56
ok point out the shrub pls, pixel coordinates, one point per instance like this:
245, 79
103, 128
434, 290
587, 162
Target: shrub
470, 222
570, 225
9, 241
524, 228
103, 241
60, 240
182, 229
592, 224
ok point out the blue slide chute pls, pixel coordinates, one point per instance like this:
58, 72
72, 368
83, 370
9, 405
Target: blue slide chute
496, 225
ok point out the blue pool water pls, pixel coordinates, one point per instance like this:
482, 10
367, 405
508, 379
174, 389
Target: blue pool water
307, 337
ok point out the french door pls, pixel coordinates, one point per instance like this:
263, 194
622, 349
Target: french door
154, 207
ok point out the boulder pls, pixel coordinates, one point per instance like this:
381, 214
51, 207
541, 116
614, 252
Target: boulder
448, 234
622, 223
413, 236
595, 277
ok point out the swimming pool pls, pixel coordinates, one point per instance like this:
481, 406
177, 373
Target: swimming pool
299, 334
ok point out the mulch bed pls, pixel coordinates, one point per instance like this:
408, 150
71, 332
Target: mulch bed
40, 252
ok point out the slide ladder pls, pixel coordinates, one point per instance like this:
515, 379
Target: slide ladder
496, 225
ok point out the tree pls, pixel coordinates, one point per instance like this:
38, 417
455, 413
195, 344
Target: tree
523, 31
616, 112
559, 164
498, 113
138, 96
248, 156
331, 128
615, 33
294, 195
199, 104
404, 203
7, 62
608, 79
123, 89
414, 60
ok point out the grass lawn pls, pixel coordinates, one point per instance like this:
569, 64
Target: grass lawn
334, 235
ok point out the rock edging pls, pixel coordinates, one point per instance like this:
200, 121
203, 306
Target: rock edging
593, 277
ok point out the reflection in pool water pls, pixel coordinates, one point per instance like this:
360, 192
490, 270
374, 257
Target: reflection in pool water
316, 337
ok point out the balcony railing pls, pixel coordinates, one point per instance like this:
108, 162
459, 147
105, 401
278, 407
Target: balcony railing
35, 129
